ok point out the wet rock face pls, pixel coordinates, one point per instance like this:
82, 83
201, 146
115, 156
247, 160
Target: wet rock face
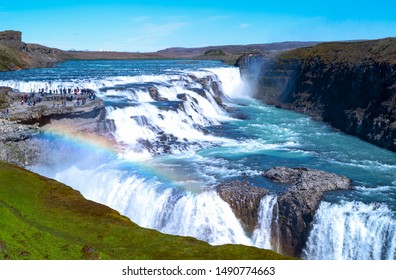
155, 95
357, 99
297, 207
244, 200
308, 179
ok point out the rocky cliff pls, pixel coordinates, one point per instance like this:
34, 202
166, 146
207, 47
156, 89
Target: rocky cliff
350, 85
12, 39
15, 54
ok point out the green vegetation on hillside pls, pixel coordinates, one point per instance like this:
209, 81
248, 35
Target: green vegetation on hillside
10, 59
215, 52
383, 50
219, 54
43, 219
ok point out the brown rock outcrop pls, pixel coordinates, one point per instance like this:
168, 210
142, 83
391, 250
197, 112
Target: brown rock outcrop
244, 200
12, 39
297, 207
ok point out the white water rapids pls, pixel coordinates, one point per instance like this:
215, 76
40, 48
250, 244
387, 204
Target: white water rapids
180, 200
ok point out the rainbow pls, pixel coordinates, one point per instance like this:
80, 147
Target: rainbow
78, 137
145, 164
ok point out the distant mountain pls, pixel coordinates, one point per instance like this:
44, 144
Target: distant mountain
231, 53
227, 53
16, 54
234, 49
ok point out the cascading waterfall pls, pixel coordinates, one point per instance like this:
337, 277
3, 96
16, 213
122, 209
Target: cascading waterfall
232, 82
171, 120
352, 230
174, 141
207, 217
183, 107
202, 215
264, 236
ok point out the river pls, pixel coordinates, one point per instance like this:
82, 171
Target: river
172, 142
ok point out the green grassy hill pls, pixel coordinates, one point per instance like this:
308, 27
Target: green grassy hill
44, 219
382, 50
10, 59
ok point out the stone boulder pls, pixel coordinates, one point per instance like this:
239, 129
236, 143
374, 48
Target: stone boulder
244, 200
299, 204
89, 253
155, 95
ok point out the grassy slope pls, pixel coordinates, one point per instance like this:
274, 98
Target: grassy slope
43, 219
10, 59
383, 50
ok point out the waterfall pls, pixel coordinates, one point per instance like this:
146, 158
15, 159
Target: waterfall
266, 234
167, 114
207, 217
352, 231
152, 116
147, 202
233, 83
174, 136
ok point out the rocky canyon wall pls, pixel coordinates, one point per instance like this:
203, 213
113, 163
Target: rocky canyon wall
351, 86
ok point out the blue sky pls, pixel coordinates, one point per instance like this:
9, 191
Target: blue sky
151, 25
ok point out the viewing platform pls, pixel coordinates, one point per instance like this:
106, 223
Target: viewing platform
39, 107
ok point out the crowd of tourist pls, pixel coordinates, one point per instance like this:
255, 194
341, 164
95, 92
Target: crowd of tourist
59, 97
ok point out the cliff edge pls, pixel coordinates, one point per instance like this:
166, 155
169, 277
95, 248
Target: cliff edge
15, 54
350, 85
